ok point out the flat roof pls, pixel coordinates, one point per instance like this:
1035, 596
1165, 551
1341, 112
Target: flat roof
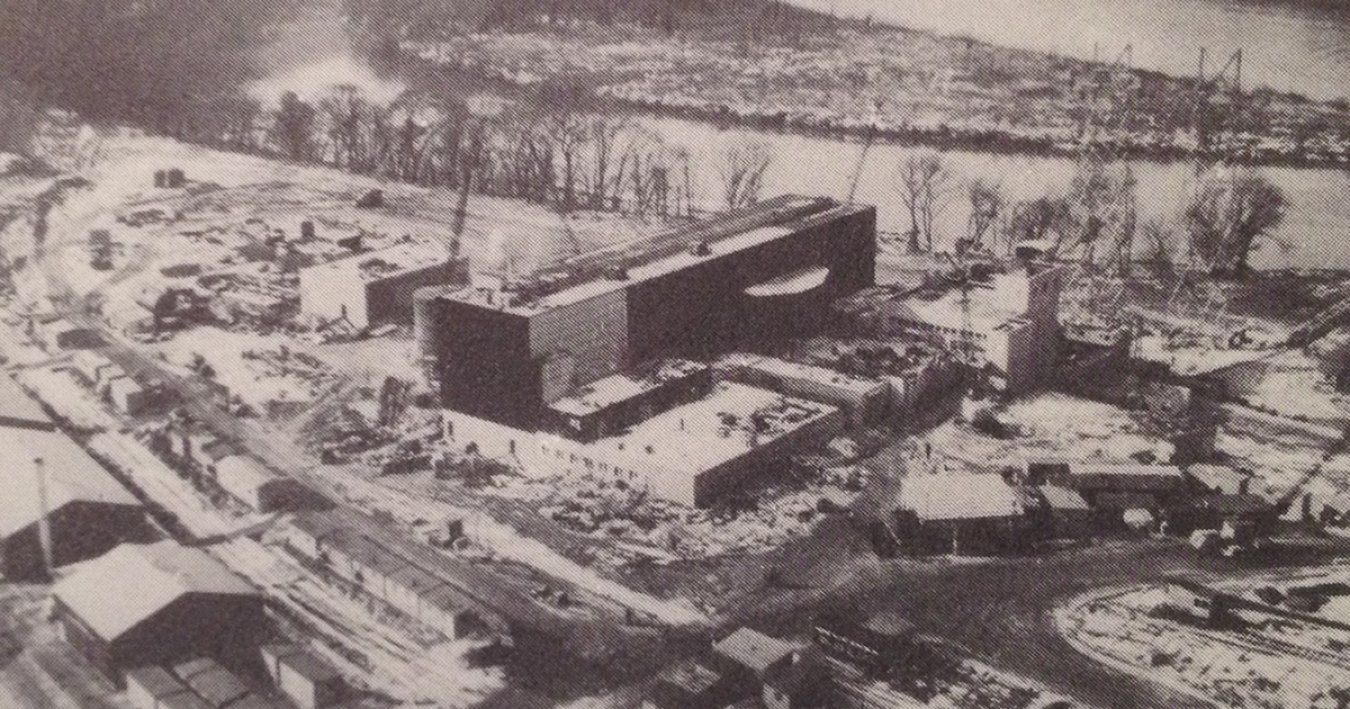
987, 307
72, 476
723, 234
794, 370
217, 685
714, 430
18, 408
387, 262
959, 496
621, 387
753, 649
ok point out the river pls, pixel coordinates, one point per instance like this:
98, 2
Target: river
1316, 225
1295, 45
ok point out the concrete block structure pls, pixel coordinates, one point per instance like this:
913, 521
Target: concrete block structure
863, 401
1006, 325
376, 287
504, 351
618, 401
157, 604
694, 454
88, 511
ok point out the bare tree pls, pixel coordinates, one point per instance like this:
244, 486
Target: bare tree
347, 115
986, 207
743, 172
926, 188
293, 127
1231, 211
1160, 248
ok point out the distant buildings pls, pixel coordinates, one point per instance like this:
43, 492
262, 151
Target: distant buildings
157, 604
504, 352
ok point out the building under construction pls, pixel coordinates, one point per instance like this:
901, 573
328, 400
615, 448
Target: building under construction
503, 351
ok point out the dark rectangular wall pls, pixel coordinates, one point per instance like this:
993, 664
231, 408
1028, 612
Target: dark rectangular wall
228, 628
80, 530
486, 369
702, 310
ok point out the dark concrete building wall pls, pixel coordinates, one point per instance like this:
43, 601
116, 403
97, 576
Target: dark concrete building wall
486, 368
390, 300
703, 310
80, 530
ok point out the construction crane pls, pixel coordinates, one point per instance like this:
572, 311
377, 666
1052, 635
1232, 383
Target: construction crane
867, 145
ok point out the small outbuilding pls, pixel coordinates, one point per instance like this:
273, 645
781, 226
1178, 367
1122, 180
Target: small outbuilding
959, 513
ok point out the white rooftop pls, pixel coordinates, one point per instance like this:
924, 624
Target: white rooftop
959, 496
121, 589
16, 405
695, 437
72, 475
795, 370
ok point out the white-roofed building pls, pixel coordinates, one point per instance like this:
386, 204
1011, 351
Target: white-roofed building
89, 512
156, 604
959, 513
19, 410
253, 484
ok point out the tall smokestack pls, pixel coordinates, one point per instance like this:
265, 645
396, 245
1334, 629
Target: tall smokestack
44, 526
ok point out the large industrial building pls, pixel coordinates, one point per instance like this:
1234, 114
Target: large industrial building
375, 287
505, 351
157, 604
694, 454
1005, 324
87, 510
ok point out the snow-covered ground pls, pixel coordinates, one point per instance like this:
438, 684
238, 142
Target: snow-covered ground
1271, 667
255, 380
1051, 426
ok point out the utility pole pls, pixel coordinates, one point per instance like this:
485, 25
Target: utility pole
44, 525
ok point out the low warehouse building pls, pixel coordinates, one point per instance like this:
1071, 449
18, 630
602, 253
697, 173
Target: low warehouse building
156, 604
960, 513
250, 482
19, 410
1097, 481
88, 511
376, 287
1219, 479
694, 454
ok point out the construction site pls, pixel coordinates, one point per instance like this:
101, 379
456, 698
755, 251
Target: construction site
426, 441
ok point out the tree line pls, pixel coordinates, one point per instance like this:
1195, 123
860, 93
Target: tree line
1229, 212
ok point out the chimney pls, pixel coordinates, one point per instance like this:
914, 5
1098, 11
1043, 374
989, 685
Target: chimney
44, 526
